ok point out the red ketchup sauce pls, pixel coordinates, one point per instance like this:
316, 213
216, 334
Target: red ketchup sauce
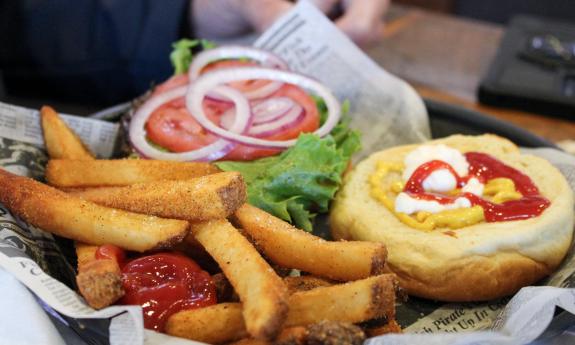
483, 167
162, 284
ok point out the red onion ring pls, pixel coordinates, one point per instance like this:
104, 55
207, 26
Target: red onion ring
264, 91
227, 118
281, 121
266, 111
198, 90
290, 119
256, 94
216, 150
265, 58
271, 109
206, 57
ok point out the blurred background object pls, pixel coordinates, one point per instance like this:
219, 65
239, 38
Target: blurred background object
444, 56
501, 11
86, 52
498, 11
96, 53
442, 47
534, 68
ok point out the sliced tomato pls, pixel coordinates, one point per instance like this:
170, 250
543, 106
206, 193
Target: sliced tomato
308, 124
173, 128
172, 83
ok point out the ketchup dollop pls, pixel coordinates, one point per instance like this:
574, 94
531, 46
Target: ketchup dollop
164, 284
483, 167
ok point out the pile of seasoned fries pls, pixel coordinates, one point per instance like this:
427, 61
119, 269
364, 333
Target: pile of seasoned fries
146, 205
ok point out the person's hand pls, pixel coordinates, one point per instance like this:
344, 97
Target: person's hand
221, 19
325, 5
362, 20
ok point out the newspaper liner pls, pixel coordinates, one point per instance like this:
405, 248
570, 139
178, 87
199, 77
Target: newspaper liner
385, 109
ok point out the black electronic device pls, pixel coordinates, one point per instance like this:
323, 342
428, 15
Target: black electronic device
534, 68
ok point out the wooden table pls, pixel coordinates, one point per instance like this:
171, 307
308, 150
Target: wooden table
444, 58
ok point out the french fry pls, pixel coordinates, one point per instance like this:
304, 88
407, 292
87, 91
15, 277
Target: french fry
214, 324
60, 140
67, 216
121, 172
208, 197
288, 336
100, 282
305, 283
62, 143
86, 253
220, 323
351, 302
389, 327
252, 341
262, 292
334, 332
291, 335
290, 247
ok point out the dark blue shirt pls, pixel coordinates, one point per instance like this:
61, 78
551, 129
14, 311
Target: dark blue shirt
92, 51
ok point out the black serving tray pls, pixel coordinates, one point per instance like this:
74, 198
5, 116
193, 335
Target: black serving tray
446, 119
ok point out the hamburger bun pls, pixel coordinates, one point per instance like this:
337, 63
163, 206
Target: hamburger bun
474, 263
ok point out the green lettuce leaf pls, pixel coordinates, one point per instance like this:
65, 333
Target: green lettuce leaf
301, 181
183, 53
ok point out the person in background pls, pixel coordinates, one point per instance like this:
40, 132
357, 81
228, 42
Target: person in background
361, 20
104, 52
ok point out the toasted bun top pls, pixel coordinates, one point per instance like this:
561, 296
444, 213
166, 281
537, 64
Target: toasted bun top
426, 260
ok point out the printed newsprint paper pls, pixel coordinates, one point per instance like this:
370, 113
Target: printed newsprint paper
384, 108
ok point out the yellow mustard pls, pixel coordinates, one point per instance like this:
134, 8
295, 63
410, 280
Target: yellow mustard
501, 190
497, 190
